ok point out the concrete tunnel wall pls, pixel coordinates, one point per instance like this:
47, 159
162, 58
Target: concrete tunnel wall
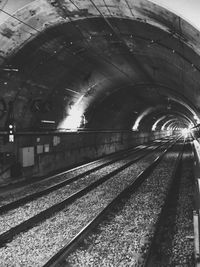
52, 153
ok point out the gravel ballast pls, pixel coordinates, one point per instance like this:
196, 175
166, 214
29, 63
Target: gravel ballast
183, 246
43, 184
17, 193
37, 245
16, 216
124, 239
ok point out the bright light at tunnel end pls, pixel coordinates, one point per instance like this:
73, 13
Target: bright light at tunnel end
185, 132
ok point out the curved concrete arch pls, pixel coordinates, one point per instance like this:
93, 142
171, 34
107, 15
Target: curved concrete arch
174, 95
174, 120
151, 110
46, 15
184, 10
140, 118
40, 19
176, 114
165, 124
177, 124
157, 121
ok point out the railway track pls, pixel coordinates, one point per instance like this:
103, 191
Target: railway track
60, 258
82, 171
172, 242
18, 232
40, 180
45, 213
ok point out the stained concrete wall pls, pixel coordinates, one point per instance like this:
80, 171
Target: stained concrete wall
43, 14
52, 153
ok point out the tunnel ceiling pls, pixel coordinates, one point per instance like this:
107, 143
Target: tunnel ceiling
100, 64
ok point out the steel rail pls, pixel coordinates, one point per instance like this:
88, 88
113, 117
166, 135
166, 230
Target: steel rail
8, 235
21, 201
38, 179
62, 254
175, 176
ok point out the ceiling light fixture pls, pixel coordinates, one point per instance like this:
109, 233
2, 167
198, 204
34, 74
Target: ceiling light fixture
46, 121
67, 89
8, 69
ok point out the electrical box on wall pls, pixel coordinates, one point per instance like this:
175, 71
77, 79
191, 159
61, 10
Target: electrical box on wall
27, 156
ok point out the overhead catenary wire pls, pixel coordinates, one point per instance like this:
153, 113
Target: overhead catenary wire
30, 26
78, 28
85, 39
4, 4
21, 21
156, 41
38, 31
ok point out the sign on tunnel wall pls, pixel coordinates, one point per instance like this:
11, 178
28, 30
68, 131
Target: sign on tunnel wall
27, 156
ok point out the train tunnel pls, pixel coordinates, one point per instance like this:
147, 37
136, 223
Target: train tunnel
82, 79
98, 66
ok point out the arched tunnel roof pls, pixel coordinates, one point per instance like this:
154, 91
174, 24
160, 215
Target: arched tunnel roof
109, 64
